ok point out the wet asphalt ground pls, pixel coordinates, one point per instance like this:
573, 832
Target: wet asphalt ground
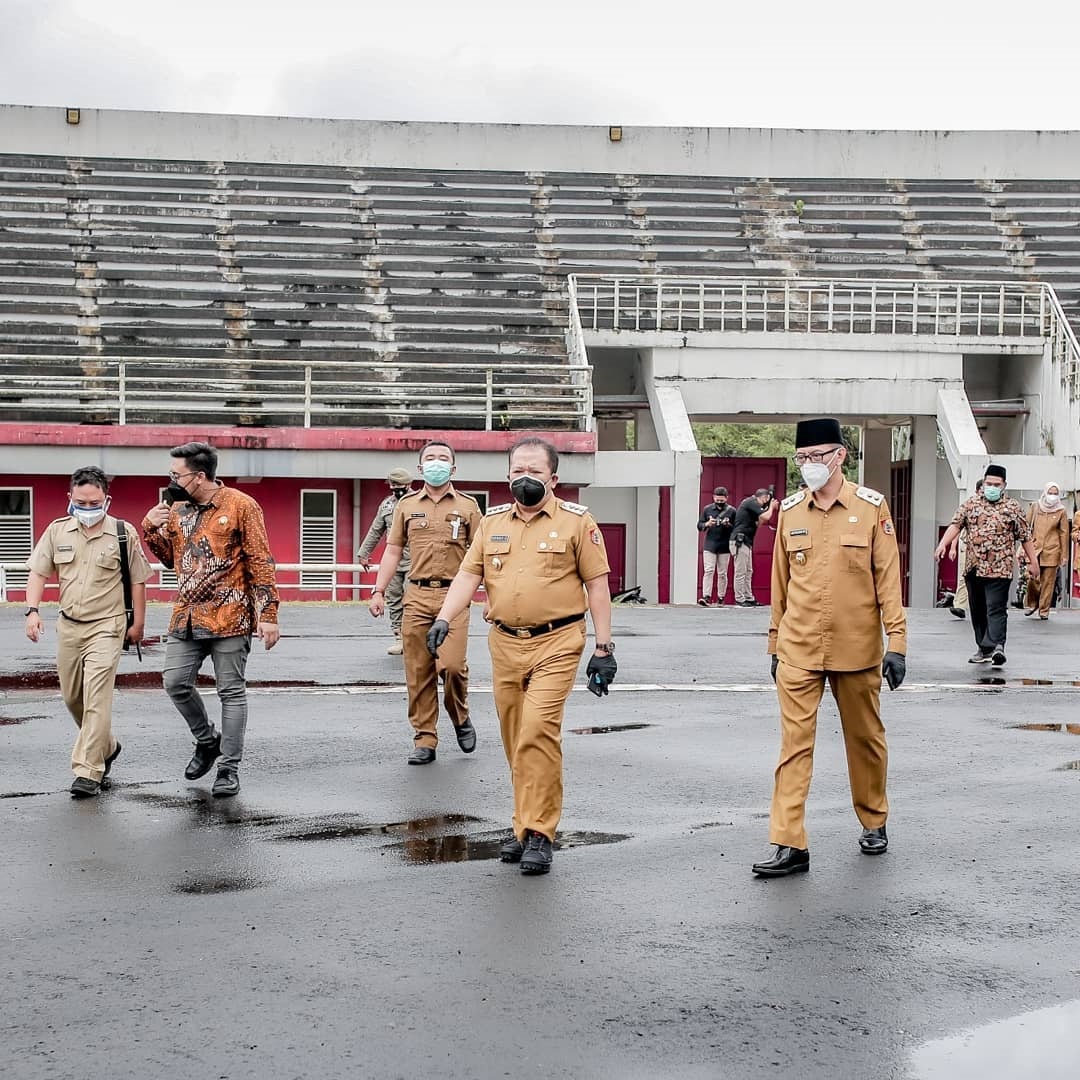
345, 916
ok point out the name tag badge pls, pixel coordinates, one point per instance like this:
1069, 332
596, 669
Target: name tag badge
500, 539
799, 532
65, 547
418, 514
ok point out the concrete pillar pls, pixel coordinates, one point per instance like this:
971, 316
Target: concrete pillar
924, 473
647, 573
684, 535
877, 459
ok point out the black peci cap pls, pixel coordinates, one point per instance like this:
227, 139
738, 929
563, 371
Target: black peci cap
818, 432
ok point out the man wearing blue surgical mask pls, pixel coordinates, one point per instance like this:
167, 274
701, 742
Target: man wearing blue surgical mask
436, 524
83, 550
994, 525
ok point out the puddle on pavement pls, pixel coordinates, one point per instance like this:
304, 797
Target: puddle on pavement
151, 680
1043, 1044
205, 809
1000, 680
24, 794
213, 886
425, 851
1069, 765
346, 827
11, 721
604, 730
1068, 729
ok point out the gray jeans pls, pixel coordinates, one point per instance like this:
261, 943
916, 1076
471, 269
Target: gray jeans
183, 658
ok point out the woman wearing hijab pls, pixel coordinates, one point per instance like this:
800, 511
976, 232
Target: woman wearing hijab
1050, 534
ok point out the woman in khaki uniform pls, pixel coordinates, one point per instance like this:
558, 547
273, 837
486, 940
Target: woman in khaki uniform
1050, 535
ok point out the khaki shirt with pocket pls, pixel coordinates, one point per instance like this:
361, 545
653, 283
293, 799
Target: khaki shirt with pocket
437, 533
88, 567
836, 582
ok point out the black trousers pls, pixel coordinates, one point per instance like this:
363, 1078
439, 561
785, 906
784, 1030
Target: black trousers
988, 605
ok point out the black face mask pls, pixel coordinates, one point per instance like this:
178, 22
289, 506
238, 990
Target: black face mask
397, 492
528, 491
721, 503
174, 493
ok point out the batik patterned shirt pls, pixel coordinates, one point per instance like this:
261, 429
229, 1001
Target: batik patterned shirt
993, 531
225, 573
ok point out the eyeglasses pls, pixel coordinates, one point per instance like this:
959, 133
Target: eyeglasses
181, 476
818, 457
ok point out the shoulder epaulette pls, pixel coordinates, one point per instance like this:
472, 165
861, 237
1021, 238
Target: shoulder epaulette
870, 495
465, 495
409, 494
793, 499
498, 509
574, 508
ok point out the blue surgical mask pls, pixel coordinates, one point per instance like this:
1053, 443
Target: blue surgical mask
436, 473
993, 493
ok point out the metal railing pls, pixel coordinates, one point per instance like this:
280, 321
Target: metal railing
957, 309
117, 390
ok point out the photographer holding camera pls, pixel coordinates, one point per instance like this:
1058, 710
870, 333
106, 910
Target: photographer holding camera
756, 510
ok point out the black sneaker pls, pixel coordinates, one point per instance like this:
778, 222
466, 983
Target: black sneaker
82, 787
979, 658
957, 613
702, 602
998, 657
206, 753
511, 850
226, 784
536, 858
110, 759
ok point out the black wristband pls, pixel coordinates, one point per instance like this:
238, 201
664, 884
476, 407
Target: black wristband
31, 611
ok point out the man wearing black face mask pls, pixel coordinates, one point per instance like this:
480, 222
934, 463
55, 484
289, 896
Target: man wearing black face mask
542, 562
399, 481
715, 522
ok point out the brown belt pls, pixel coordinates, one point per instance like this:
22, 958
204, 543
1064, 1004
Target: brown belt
432, 583
543, 628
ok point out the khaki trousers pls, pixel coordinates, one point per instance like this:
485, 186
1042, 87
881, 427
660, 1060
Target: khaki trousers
87, 657
858, 696
744, 571
714, 564
422, 670
532, 679
1040, 590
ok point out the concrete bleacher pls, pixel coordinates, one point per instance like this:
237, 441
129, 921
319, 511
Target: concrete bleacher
383, 276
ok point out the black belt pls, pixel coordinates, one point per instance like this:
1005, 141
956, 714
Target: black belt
86, 622
432, 583
536, 631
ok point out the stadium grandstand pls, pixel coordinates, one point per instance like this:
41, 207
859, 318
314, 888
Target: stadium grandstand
318, 298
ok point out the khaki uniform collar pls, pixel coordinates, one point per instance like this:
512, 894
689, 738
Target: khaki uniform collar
547, 508
843, 497
108, 528
450, 491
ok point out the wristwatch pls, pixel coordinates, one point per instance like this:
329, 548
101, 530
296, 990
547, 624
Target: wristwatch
31, 611
609, 647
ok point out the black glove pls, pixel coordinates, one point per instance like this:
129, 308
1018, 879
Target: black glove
894, 668
773, 666
437, 635
601, 672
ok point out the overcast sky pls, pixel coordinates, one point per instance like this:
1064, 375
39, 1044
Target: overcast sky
835, 63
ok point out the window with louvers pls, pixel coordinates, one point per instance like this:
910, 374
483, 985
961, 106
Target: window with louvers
318, 536
166, 577
16, 532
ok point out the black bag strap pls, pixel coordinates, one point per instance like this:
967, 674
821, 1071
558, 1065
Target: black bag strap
125, 571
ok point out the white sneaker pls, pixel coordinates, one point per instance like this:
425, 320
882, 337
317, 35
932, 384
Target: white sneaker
395, 649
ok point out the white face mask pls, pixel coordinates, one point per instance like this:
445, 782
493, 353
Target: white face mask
1051, 500
816, 476
88, 516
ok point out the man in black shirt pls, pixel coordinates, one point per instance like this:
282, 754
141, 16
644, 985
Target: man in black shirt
715, 522
758, 509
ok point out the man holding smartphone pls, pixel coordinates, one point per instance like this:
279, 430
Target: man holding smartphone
835, 584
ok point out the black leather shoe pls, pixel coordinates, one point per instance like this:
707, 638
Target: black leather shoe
512, 850
784, 861
466, 737
998, 656
536, 856
422, 755
957, 613
206, 753
110, 759
874, 841
82, 787
226, 784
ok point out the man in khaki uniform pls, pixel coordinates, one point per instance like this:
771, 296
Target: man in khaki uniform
83, 551
835, 582
542, 562
398, 481
436, 524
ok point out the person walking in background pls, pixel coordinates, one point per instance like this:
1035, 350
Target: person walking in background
994, 524
715, 521
756, 510
214, 537
399, 481
84, 551
1049, 526
436, 524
